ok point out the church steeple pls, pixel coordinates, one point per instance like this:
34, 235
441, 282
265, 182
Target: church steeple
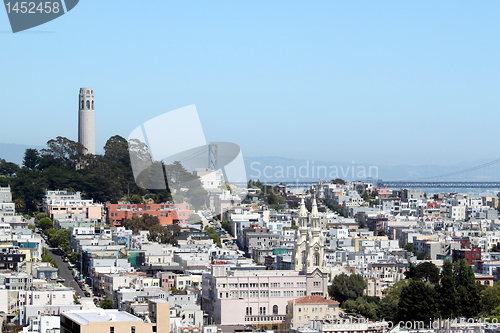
314, 210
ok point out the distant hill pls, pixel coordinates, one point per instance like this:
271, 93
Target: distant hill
12, 152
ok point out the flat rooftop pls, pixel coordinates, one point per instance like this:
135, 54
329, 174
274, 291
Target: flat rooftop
83, 317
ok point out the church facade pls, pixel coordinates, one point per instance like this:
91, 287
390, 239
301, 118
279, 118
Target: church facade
309, 251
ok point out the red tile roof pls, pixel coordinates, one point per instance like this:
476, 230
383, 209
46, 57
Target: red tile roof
313, 300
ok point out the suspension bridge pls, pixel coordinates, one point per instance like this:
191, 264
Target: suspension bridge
483, 176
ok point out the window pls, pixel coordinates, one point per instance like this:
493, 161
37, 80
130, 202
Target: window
262, 310
275, 309
249, 311
111, 329
132, 329
88, 104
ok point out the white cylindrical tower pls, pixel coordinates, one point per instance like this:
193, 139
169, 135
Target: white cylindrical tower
86, 122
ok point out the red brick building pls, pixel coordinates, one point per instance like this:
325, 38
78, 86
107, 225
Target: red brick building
168, 213
472, 255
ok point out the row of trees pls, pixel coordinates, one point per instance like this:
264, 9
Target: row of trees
424, 295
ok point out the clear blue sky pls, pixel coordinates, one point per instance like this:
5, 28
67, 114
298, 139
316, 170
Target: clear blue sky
381, 82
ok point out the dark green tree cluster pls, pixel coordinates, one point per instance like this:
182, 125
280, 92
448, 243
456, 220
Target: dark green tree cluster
164, 234
157, 232
138, 223
104, 178
347, 287
59, 238
62, 165
428, 294
214, 235
424, 295
106, 303
366, 306
45, 223
425, 271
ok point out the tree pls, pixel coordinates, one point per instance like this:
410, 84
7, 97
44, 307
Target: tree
31, 159
116, 150
490, 298
61, 151
388, 305
60, 238
45, 223
425, 271
73, 257
447, 269
214, 235
106, 304
144, 222
8, 168
448, 297
418, 302
364, 305
135, 199
347, 287
410, 247
464, 275
468, 301
164, 235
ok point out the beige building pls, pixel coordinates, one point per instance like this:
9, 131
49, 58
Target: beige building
302, 310
114, 321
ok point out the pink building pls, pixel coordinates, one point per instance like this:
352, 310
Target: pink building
252, 297
70, 205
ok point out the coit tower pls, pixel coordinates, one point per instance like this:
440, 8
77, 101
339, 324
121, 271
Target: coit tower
86, 122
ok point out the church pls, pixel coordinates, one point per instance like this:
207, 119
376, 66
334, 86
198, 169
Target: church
309, 251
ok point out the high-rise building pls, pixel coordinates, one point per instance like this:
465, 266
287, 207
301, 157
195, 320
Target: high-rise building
86, 120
